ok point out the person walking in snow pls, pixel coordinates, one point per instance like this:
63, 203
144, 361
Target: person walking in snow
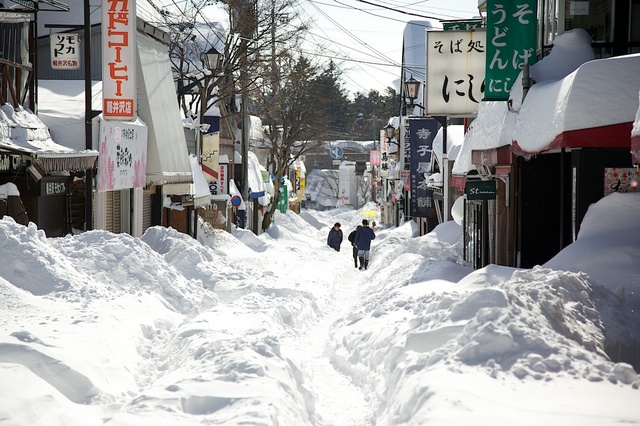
335, 237
352, 240
363, 239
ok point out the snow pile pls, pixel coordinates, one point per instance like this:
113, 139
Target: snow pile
165, 330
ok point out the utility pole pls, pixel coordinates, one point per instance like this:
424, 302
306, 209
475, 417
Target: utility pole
88, 133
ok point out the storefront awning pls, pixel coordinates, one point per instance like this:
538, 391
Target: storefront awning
21, 131
167, 155
593, 107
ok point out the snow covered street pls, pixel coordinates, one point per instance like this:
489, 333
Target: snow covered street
280, 329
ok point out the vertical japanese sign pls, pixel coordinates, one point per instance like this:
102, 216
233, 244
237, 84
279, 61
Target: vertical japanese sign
123, 155
455, 74
210, 155
223, 172
384, 155
406, 145
422, 133
65, 51
119, 59
511, 42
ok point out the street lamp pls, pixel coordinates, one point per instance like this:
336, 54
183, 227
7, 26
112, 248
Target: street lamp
213, 59
411, 89
389, 132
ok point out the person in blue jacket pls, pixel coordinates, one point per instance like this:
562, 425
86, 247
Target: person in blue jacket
363, 239
335, 237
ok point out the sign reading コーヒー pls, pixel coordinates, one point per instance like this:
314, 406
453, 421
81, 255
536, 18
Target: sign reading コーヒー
119, 59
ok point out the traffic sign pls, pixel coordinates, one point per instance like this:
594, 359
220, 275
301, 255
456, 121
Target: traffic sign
336, 152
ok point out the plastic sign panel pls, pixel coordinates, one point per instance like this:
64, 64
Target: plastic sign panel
119, 59
65, 51
511, 42
122, 163
374, 157
480, 190
455, 71
219, 186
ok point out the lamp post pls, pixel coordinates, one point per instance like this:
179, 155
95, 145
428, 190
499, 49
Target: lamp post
389, 132
212, 60
411, 89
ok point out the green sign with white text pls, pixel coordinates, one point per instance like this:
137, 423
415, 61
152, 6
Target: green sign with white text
462, 25
511, 42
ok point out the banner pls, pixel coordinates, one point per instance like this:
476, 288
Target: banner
210, 155
119, 49
455, 71
422, 133
122, 163
384, 155
406, 144
511, 42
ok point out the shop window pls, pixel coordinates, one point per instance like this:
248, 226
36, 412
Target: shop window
594, 16
634, 17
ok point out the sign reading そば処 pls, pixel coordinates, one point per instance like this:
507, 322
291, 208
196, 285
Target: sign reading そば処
455, 71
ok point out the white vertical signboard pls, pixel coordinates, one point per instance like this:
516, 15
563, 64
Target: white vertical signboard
119, 59
455, 71
384, 155
123, 155
65, 51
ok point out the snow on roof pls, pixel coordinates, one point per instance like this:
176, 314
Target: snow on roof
570, 50
22, 130
61, 106
199, 187
599, 93
494, 118
455, 140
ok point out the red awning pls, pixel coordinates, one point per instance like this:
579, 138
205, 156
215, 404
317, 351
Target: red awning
593, 107
613, 136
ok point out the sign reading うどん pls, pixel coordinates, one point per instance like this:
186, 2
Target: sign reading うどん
119, 59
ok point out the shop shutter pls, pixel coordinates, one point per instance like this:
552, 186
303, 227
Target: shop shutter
51, 215
112, 213
147, 209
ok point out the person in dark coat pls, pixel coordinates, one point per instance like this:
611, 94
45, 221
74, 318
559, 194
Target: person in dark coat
352, 240
363, 239
335, 237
